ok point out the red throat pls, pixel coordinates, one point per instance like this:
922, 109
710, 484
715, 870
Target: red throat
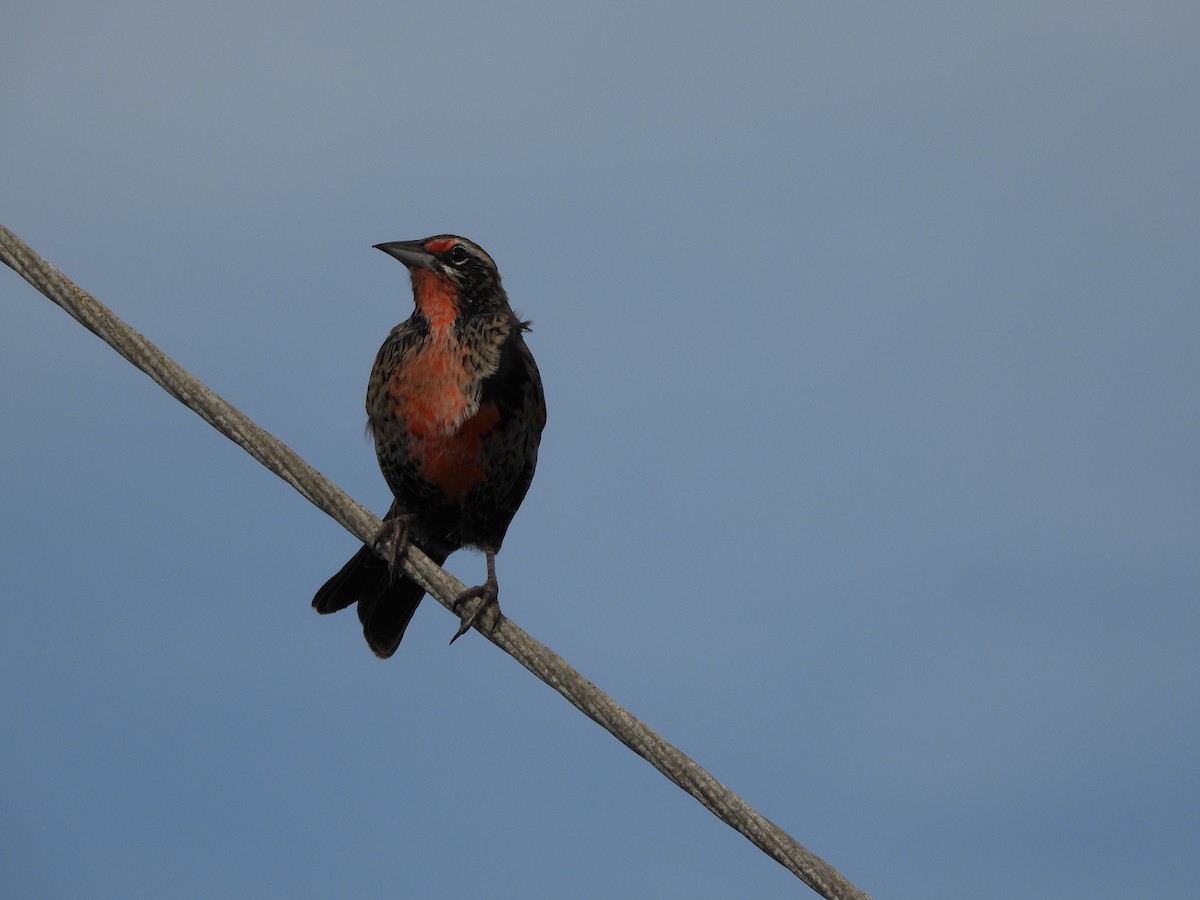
436, 297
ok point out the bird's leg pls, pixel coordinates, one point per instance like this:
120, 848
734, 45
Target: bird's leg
394, 536
488, 592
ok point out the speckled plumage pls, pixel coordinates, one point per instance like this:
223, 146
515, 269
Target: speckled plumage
456, 409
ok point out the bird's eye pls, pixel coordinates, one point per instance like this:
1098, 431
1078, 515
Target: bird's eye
458, 254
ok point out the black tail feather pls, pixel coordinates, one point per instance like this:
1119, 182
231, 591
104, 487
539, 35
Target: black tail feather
385, 606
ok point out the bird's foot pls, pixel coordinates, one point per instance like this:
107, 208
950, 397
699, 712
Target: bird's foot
486, 612
394, 537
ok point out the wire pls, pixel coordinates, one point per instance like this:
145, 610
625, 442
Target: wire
322, 493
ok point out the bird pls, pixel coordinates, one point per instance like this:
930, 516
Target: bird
456, 408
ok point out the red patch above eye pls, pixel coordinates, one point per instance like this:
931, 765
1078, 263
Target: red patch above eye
439, 247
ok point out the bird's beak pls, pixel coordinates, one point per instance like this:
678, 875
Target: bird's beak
412, 253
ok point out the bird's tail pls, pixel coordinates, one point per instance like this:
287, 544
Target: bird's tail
385, 604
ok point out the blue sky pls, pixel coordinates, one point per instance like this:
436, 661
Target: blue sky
870, 339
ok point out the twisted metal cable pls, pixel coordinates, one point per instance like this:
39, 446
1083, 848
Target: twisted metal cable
322, 493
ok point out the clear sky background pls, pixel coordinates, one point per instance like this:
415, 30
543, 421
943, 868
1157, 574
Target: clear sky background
871, 341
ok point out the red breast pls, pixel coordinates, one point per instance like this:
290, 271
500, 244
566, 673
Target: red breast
434, 398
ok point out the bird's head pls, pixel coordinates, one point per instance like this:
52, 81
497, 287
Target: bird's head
450, 276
